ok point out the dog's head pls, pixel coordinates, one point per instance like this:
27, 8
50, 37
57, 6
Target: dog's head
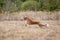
25, 18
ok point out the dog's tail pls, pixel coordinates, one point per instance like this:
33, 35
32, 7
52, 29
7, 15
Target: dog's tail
47, 25
40, 25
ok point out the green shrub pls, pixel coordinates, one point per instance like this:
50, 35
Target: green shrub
30, 5
54, 4
33, 0
18, 4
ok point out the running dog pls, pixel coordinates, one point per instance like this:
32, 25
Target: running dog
32, 22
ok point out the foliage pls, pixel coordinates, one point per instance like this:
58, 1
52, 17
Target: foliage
1, 5
33, 0
30, 5
18, 5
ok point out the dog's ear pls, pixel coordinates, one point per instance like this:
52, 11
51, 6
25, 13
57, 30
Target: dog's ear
24, 16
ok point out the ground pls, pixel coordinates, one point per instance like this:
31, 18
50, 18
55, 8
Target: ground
12, 26
16, 30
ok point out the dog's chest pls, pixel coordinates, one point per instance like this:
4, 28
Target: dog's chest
27, 22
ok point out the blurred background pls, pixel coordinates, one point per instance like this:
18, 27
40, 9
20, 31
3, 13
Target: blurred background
31, 5
47, 9
12, 27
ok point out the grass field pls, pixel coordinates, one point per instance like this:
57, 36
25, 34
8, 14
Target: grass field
15, 29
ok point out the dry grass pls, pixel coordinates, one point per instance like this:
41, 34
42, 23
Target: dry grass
15, 30
34, 15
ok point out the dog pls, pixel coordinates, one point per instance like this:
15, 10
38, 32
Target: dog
33, 22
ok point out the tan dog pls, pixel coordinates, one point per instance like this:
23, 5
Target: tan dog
31, 22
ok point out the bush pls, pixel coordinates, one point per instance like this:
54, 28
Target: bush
30, 5
52, 5
49, 5
33, 0
18, 4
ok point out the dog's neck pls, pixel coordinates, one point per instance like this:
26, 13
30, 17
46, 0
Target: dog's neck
27, 19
